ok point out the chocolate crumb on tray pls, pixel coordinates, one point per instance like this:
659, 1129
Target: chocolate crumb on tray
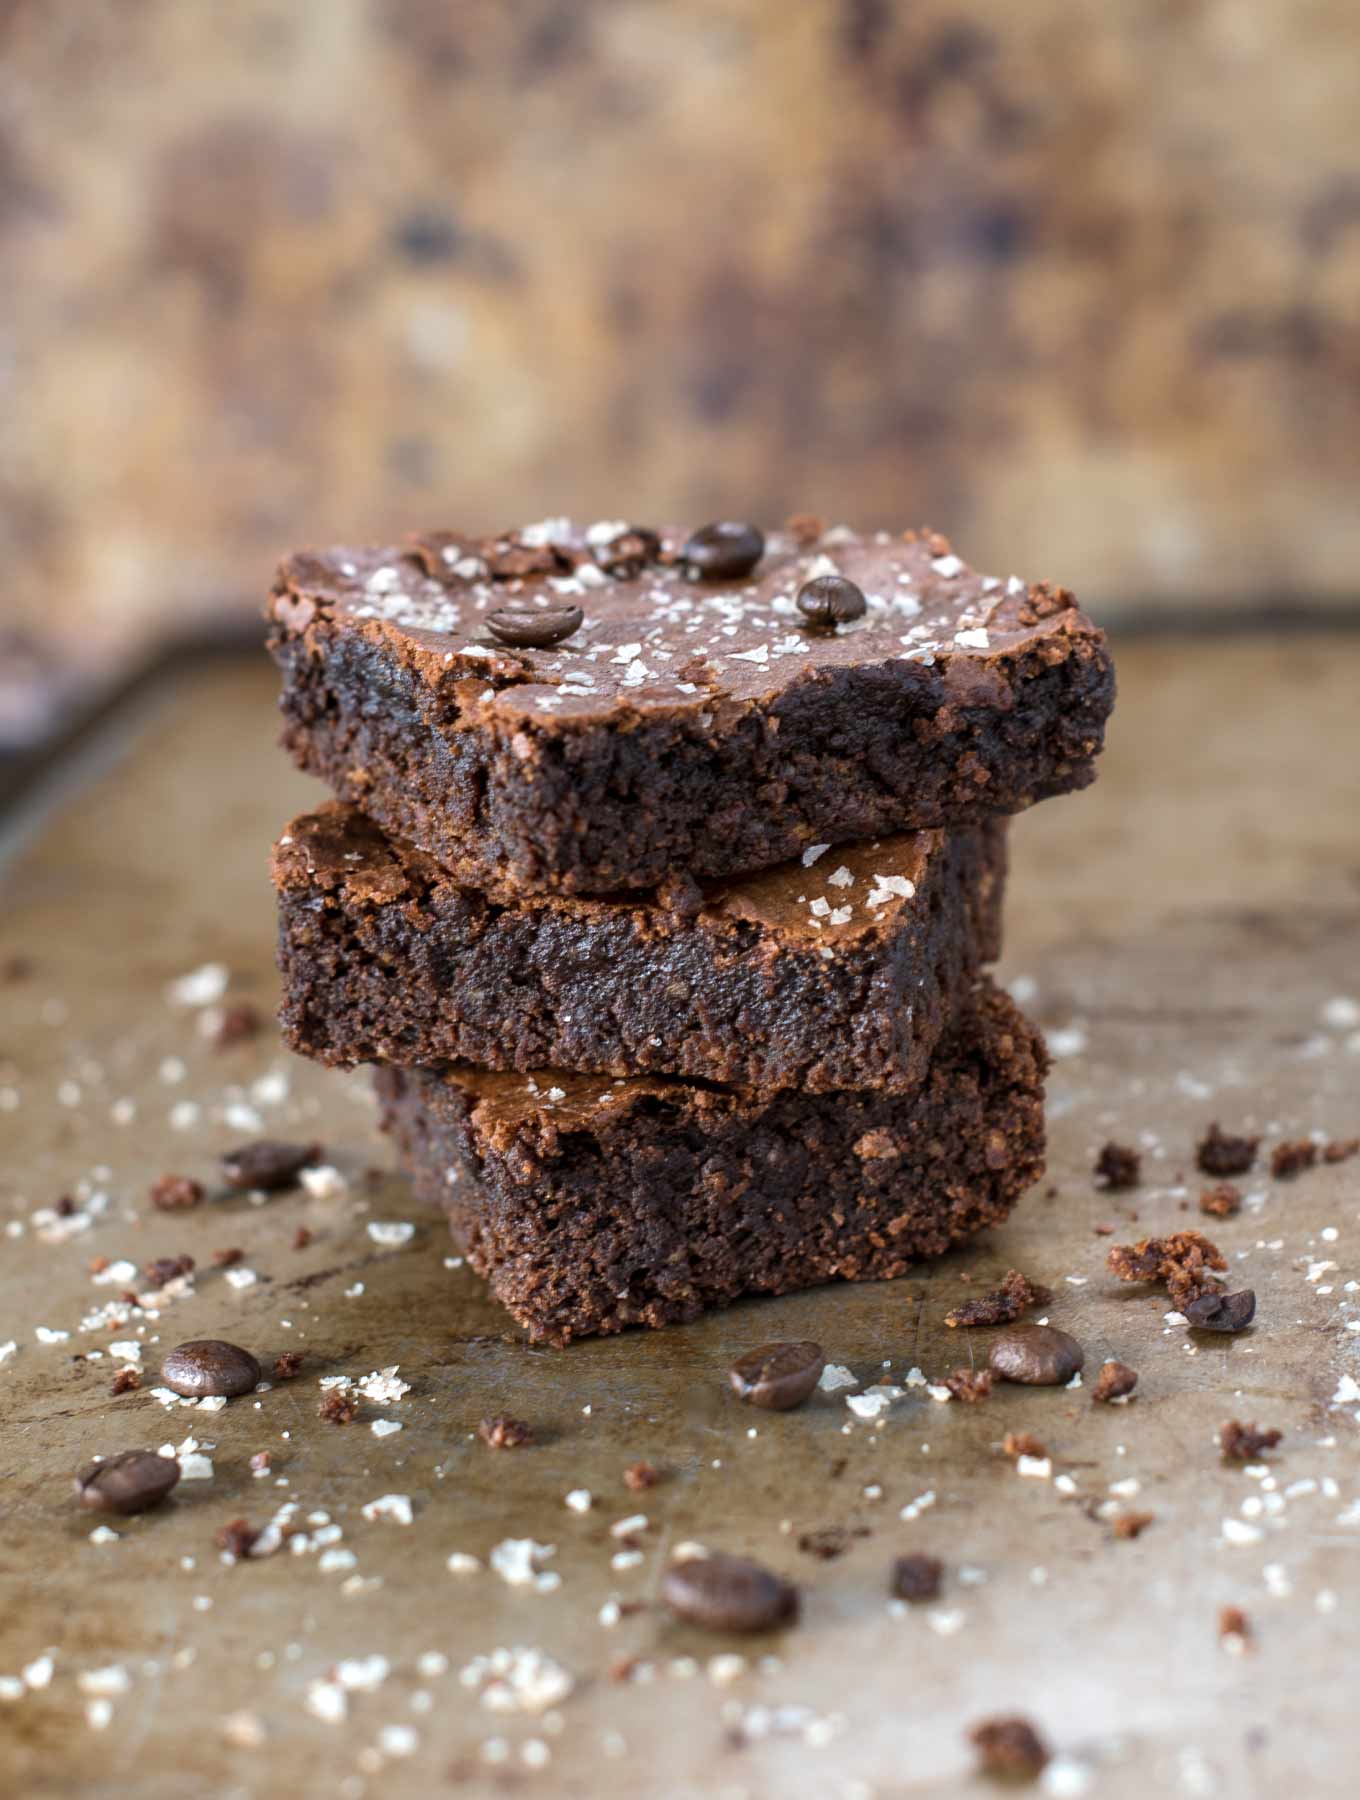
1016, 1295
1009, 1749
1246, 1443
337, 1408
1131, 1524
1222, 1201
236, 1538
176, 1193
970, 1385
1118, 1167
1292, 1158
1180, 1262
1116, 1381
917, 1577
504, 1433
639, 1476
1219, 1154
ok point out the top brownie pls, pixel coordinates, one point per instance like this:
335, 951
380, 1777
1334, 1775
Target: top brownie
695, 718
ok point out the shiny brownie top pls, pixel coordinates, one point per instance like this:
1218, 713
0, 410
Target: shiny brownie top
671, 619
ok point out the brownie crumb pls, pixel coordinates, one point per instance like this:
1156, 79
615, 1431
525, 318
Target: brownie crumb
287, 1365
1016, 1295
301, 1238
176, 1193
1246, 1443
234, 1024
1009, 1749
164, 1269
830, 1541
805, 529
504, 1433
228, 1259
1023, 1443
337, 1408
1115, 1381
639, 1476
1131, 1524
1180, 1262
1341, 1150
236, 1537
970, 1385
1119, 1166
917, 1577
1221, 1201
1233, 1624
126, 1381
1218, 1154
1292, 1158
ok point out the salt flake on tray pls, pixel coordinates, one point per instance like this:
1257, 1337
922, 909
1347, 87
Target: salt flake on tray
396, 1507
391, 1233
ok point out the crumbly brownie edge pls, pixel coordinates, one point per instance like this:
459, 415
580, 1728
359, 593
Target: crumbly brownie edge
863, 751
692, 1198
440, 975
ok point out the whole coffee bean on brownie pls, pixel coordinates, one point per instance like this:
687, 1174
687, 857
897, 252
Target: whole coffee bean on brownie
831, 600
206, 1366
127, 1483
1035, 1355
777, 1376
725, 551
728, 1593
534, 628
268, 1164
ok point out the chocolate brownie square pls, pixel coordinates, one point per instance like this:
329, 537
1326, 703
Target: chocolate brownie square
582, 711
590, 1205
840, 970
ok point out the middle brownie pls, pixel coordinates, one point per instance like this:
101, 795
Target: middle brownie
838, 971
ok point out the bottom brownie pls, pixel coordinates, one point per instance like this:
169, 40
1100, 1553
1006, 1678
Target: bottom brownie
590, 1204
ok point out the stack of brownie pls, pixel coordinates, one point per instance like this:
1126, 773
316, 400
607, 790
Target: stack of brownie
660, 883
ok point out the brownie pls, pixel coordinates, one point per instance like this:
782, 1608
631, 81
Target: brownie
842, 974
685, 723
591, 1205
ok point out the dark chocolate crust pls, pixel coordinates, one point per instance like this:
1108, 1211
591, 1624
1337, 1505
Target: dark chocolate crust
842, 974
590, 1206
741, 739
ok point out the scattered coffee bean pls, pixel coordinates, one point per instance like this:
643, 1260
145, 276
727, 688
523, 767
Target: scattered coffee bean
1221, 1312
728, 1593
917, 1577
1221, 1201
128, 1483
724, 551
1036, 1355
1116, 1379
628, 554
236, 1538
287, 1365
1288, 1160
970, 1385
209, 1366
830, 600
175, 1193
536, 628
1118, 1167
268, 1164
777, 1376
337, 1408
1016, 1295
1219, 1154
639, 1476
1009, 1749
504, 1433
1246, 1443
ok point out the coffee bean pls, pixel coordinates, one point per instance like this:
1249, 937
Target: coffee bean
917, 1577
1037, 1355
128, 1483
777, 1376
536, 628
1221, 1312
830, 600
728, 1593
209, 1366
628, 554
268, 1164
724, 551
